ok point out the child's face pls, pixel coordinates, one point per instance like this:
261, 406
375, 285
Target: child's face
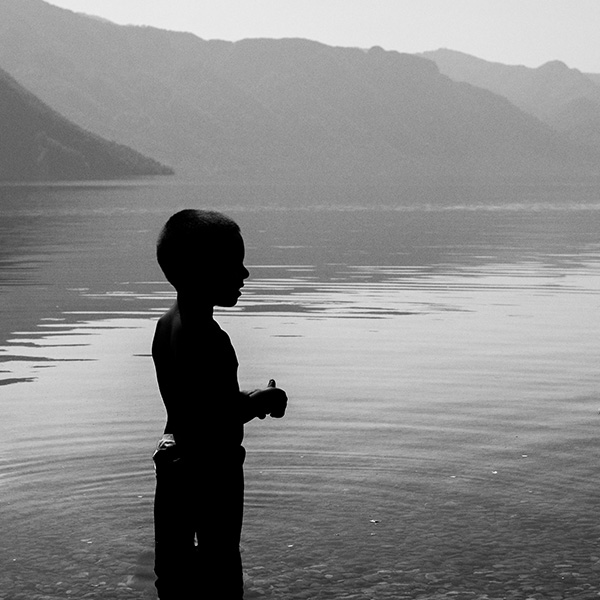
226, 274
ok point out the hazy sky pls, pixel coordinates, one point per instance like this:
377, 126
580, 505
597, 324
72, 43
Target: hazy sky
529, 32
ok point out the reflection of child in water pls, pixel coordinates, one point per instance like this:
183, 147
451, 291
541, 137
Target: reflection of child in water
199, 490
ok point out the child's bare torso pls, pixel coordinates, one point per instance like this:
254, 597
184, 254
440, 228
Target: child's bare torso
196, 369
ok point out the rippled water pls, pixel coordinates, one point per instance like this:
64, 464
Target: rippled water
441, 357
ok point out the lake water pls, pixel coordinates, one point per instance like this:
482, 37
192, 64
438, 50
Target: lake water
440, 348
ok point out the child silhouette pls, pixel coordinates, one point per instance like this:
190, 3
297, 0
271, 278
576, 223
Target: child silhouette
199, 460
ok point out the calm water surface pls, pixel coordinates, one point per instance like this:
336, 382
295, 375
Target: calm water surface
440, 349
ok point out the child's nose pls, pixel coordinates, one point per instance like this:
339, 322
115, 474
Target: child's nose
245, 273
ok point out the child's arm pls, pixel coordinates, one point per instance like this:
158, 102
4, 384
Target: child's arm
260, 403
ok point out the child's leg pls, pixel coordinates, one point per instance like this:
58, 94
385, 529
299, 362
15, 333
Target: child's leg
175, 562
219, 526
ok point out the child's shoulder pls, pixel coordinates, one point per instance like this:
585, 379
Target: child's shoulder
167, 328
169, 321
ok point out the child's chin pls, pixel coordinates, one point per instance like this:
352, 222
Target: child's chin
229, 301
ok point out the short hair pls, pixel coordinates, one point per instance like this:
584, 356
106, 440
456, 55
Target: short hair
188, 234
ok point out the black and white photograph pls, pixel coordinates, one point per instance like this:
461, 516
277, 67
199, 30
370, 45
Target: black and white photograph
299, 299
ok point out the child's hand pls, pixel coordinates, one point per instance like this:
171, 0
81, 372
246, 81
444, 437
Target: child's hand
270, 401
279, 401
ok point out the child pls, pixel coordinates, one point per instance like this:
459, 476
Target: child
199, 489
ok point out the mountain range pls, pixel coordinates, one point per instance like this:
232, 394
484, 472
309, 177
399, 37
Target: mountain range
564, 98
36, 143
278, 110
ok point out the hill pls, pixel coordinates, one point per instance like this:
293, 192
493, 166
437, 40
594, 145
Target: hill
36, 143
595, 77
274, 110
564, 98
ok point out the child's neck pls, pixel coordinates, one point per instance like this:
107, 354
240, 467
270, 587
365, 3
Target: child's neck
193, 309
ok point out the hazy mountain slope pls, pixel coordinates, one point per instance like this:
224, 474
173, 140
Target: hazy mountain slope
272, 109
394, 109
36, 143
595, 77
565, 98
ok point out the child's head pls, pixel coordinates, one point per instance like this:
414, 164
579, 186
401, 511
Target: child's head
202, 251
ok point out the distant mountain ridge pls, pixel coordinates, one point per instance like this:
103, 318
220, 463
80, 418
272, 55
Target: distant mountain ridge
36, 143
564, 98
275, 110
595, 77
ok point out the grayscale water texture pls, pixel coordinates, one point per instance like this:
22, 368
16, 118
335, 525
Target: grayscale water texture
440, 348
